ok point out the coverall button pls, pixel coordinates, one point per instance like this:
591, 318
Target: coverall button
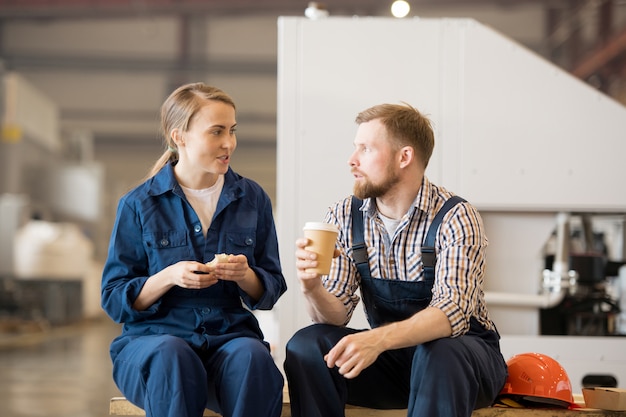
206, 310
197, 228
165, 242
249, 241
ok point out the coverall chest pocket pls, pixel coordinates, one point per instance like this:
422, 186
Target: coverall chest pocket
241, 244
166, 248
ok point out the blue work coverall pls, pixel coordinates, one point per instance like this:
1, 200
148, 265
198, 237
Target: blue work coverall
193, 348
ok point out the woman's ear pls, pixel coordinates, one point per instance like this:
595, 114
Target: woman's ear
177, 137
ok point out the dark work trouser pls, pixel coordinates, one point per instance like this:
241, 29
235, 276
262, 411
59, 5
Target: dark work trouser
448, 377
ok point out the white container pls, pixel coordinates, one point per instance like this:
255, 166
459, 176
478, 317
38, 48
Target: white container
45, 250
13, 213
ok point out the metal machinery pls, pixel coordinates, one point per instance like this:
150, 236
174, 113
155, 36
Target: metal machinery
591, 305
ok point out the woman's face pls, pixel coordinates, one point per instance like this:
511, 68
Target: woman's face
206, 148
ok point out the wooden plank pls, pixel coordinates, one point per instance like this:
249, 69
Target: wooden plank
529, 412
120, 406
354, 411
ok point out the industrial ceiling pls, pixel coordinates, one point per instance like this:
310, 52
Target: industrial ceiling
600, 59
585, 38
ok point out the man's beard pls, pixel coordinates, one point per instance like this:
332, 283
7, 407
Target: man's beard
367, 189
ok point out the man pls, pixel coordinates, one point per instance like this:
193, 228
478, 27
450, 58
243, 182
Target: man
432, 347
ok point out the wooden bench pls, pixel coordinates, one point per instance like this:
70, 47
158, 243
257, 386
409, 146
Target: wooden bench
120, 406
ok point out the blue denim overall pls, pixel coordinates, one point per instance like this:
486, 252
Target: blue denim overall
447, 377
389, 300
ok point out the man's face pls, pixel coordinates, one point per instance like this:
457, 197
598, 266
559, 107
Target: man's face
373, 162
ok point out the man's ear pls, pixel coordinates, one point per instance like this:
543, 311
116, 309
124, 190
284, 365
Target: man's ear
407, 155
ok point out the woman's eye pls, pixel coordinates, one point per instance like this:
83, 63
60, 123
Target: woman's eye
232, 131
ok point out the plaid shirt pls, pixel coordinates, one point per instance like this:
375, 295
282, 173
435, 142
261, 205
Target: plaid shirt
460, 248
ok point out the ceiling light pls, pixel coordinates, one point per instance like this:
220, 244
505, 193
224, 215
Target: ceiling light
400, 8
316, 10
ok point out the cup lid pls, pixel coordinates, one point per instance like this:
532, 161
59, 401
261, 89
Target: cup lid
320, 226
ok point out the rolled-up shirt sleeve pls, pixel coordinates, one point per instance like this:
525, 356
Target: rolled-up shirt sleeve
460, 268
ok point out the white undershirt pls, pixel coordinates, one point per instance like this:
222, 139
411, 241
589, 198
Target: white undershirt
204, 201
390, 224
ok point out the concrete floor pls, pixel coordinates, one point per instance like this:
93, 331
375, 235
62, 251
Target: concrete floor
60, 372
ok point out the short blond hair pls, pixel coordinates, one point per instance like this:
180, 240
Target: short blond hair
406, 127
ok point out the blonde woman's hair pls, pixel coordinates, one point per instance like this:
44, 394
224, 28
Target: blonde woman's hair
177, 111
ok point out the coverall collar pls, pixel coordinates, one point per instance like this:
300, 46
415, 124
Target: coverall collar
165, 181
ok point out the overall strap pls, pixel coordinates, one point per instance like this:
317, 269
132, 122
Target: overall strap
359, 251
429, 257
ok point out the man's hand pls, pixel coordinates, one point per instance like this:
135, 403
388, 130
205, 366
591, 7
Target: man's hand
355, 352
304, 260
322, 306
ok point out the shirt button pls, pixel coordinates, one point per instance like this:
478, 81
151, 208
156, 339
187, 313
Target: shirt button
206, 310
165, 242
249, 241
197, 228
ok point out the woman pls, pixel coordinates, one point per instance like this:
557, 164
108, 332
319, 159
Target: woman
188, 342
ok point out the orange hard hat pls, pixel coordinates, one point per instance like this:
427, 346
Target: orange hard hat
538, 379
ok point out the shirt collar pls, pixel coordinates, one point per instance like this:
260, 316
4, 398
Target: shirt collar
424, 196
163, 181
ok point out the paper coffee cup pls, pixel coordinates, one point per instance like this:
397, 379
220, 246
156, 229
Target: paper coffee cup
322, 238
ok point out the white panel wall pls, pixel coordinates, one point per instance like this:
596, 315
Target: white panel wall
534, 137
515, 135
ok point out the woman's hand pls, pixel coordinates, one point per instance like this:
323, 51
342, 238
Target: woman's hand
238, 270
184, 274
234, 269
191, 274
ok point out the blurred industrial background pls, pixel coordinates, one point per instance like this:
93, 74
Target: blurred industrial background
82, 83
99, 70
